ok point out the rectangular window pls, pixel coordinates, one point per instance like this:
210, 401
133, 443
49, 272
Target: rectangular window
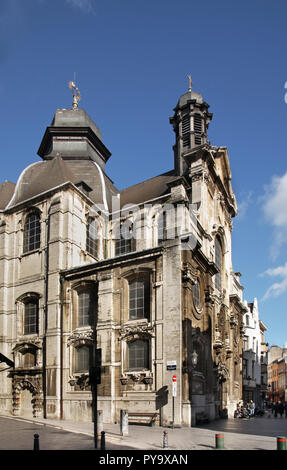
31, 317
83, 359
138, 299
123, 243
139, 355
85, 308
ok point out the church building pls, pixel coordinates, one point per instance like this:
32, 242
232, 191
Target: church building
132, 290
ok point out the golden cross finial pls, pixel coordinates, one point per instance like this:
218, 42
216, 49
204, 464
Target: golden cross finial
76, 94
189, 79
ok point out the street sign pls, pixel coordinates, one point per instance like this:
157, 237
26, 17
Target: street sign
174, 378
170, 365
174, 389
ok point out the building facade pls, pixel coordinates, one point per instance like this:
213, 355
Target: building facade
126, 289
277, 374
254, 366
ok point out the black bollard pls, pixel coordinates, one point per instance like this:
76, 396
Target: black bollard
36, 442
165, 437
103, 441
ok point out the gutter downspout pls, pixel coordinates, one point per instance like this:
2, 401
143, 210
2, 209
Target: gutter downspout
61, 345
46, 287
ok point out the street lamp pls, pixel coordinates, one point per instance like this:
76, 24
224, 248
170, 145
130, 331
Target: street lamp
194, 358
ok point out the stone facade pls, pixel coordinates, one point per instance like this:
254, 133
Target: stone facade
121, 288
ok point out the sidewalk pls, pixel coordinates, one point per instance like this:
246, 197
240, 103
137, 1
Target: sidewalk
151, 438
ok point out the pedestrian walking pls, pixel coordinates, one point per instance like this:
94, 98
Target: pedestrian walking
251, 408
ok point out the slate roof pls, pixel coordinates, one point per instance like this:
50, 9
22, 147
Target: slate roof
6, 192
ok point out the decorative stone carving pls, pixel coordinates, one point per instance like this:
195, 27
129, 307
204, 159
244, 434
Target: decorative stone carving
33, 383
137, 377
80, 382
81, 337
136, 330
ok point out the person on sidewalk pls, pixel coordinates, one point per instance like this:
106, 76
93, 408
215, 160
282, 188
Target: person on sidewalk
251, 408
276, 409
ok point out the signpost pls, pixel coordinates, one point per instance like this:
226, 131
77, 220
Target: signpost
174, 388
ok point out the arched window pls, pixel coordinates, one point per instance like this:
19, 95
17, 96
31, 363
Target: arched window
86, 308
31, 317
218, 262
138, 354
139, 299
123, 243
32, 232
83, 356
92, 237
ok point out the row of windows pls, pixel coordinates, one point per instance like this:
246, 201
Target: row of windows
138, 356
139, 306
123, 242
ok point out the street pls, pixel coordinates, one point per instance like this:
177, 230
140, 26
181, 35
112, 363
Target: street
258, 433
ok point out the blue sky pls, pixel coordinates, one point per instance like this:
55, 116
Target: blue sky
131, 60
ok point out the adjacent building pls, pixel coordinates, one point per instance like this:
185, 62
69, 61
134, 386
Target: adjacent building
130, 289
277, 374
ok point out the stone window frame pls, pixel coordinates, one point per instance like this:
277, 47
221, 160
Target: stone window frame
138, 329
27, 250
27, 347
127, 278
20, 309
76, 289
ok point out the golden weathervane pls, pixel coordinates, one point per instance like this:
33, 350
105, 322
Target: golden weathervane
190, 82
76, 94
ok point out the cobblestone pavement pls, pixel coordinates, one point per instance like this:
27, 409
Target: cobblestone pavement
258, 433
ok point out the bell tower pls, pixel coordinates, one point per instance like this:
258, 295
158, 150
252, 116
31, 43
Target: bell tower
190, 123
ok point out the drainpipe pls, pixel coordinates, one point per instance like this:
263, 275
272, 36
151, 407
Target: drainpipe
46, 288
61, 344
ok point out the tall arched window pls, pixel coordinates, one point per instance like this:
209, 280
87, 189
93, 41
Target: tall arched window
32, 232
218, 262
92, 237
138, 357
139, 299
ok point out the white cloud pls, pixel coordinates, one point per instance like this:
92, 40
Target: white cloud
277, 288
86, 6
275, 210
243, 204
